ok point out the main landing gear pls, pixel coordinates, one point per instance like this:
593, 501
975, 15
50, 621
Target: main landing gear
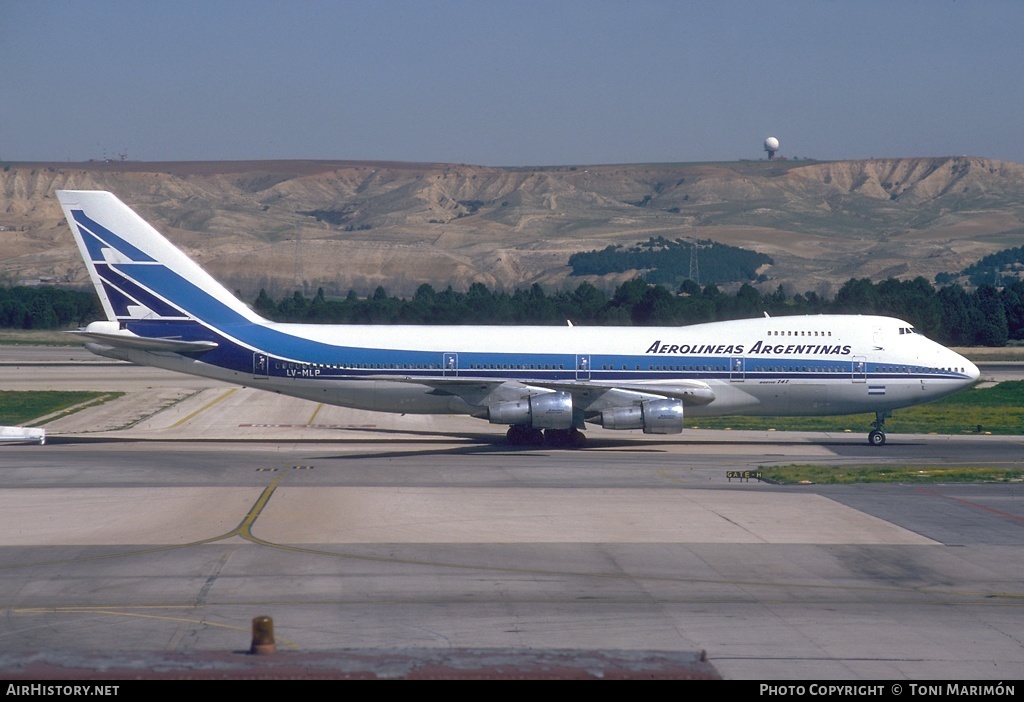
876, 437
521, 435
568, 438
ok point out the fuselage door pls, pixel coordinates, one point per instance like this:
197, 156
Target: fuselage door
449, 364
583, 366
260, 365
860, 369
737, 369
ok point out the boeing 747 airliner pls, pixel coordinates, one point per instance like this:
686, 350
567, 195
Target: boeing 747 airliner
545, 383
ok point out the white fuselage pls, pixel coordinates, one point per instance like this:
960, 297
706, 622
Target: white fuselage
806, 365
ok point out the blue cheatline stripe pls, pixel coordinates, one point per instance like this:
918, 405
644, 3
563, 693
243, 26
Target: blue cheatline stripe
96, 237
199, 304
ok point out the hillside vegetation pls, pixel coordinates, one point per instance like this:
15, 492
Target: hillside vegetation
358, 225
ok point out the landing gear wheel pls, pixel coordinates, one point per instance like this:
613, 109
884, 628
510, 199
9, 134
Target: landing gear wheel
569, 438
554, 437
516, 435
877, 435
520, 435
577, 439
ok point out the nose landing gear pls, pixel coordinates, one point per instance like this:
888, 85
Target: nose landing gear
876, 437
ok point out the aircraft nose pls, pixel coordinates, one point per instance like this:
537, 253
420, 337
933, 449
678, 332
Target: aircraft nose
972, 370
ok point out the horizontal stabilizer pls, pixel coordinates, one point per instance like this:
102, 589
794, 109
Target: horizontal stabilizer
132, 341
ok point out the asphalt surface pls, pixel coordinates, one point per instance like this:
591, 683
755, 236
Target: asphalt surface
159, 525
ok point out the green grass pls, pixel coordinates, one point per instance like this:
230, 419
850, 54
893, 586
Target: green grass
840, 475
20, 407
998, 409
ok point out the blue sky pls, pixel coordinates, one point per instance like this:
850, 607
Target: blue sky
510, 82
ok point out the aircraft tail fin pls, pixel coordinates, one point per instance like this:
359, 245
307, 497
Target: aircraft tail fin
139, 274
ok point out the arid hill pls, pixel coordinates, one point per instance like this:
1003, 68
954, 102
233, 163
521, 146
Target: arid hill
343, 225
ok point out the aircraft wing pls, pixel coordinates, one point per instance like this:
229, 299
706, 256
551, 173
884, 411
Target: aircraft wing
691, 392
588, 395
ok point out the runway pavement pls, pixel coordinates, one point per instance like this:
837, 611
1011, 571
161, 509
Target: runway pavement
164, 521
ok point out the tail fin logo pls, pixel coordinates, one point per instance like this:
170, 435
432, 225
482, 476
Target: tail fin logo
138, 273
127, 299
105, 246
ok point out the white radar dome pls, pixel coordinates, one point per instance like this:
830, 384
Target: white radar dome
771, 144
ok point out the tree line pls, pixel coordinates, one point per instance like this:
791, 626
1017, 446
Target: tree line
950, 315
46, 307
987, 316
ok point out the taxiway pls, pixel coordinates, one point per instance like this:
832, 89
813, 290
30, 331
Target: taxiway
166, 519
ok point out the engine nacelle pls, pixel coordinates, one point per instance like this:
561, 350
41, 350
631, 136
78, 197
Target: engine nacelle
550, 410
653, 416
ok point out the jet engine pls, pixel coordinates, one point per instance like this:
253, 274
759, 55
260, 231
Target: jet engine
551, 410
653, 416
